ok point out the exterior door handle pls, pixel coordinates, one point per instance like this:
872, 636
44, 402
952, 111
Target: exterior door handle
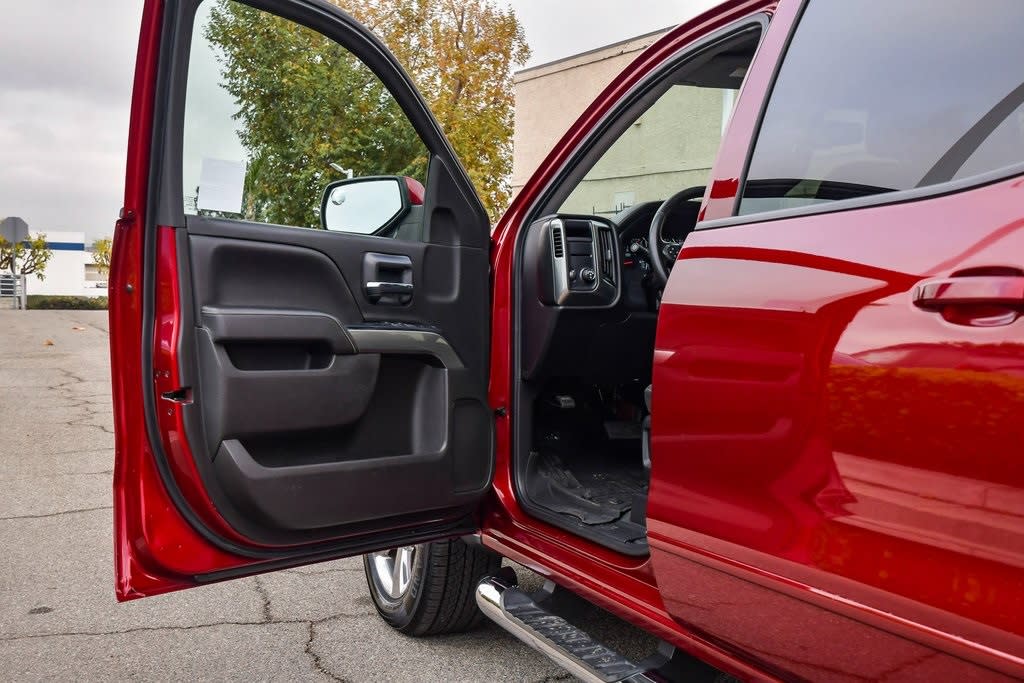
977, 301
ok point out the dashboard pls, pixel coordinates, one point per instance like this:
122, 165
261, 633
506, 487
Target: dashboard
588, 299
598, 262
580, 257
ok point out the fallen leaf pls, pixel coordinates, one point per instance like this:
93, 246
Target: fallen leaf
48, 342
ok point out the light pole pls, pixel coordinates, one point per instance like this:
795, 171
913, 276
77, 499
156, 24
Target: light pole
347, 172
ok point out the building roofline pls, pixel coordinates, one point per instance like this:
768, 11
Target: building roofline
592, 51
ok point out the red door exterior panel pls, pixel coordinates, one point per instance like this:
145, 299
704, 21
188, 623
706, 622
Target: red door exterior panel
863, 453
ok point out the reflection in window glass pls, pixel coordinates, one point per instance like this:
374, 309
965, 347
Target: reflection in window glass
672, 144
275, 112
890, 96
669, 148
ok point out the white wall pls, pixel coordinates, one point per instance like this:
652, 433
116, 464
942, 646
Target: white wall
65, 273
550, 97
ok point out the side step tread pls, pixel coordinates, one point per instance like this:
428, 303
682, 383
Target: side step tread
610, 665
568, 646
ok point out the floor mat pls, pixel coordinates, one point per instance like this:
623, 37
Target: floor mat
593, 490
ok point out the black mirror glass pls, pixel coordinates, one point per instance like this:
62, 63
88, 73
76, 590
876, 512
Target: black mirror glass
363, 205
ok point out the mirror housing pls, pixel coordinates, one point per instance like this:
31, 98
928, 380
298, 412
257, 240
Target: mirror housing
371, 205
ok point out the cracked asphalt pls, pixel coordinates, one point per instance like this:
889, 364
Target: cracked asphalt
58, 615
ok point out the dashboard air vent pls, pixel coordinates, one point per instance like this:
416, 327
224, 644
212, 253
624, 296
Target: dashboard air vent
607, 244
556, 238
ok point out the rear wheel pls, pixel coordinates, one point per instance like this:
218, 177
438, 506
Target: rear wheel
428, 589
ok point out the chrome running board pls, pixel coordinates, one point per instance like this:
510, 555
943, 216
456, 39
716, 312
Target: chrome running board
572, 649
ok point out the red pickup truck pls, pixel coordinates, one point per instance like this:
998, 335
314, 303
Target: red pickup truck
753, 383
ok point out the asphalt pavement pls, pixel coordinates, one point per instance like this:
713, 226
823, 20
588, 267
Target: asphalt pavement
58, 615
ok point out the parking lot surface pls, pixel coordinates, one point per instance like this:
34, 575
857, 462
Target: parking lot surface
58, 615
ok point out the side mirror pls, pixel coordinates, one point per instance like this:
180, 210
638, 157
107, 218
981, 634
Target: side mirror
370, 205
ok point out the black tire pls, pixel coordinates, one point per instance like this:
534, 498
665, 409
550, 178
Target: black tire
440, 597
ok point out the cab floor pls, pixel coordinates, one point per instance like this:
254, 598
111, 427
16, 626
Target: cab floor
600, 491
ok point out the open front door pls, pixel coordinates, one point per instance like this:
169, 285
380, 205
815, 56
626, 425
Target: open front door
299, 302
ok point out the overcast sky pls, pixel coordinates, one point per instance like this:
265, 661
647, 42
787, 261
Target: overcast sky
65, 87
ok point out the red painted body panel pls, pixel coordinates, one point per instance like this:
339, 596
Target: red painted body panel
866, 550
724, 182
416, 191
625, 586
155, 549
861, 453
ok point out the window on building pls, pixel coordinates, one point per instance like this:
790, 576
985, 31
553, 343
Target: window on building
904, 95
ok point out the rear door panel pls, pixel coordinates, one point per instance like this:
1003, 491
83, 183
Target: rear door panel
842, 463
861, 453
269, 410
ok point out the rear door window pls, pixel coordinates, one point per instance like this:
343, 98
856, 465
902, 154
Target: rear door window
876, 97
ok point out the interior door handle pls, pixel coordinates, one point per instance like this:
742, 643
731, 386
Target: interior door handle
982, 301
379, 289
387, 279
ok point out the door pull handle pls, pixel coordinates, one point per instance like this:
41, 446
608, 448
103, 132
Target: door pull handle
386, 288
399, 293
976, 301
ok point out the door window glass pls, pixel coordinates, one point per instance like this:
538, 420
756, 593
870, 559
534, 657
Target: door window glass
673, 143
669, 148
279, 117
877, 97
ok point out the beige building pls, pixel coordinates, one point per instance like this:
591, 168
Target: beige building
670, 147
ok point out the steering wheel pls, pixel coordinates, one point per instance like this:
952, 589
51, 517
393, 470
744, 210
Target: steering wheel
664, 252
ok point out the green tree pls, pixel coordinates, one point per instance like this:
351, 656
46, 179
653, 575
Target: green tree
305, 102
101, 254
25, 258
461, 54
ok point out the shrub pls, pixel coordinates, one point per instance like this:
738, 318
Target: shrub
67, 303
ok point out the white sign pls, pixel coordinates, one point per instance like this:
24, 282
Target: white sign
221, 184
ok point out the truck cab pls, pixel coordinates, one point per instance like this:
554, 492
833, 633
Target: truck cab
768, 413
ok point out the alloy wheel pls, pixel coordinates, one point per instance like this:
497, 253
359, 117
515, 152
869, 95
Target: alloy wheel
392, 570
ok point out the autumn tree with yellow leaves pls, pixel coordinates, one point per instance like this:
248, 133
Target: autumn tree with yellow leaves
29, 257
305, 102
101, 250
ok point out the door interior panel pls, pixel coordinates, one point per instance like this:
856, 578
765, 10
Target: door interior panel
245, 398
319, 405
234, 327
254, 265
314, 377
